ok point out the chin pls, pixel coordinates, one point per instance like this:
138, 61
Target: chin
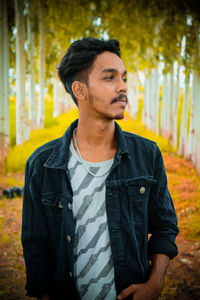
119, 117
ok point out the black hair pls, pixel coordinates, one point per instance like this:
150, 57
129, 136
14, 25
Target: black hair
77, 62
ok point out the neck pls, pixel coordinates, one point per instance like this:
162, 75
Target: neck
96, 132
96, 139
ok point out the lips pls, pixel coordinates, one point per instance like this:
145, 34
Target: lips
121, 98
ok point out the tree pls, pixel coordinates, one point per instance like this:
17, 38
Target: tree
4, 98
40, 116
22, 132
31, 69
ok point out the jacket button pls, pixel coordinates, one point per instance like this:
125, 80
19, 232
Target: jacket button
70, 206
60, 205
142, 190
69, 238
70, 274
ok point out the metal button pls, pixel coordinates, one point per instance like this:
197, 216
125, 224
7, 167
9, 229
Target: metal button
142, 190
70, 274
70, 206
69, 238
60, 205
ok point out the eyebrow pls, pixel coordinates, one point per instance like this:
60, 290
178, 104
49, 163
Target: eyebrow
109, 70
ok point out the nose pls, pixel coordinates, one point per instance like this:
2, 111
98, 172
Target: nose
121, 87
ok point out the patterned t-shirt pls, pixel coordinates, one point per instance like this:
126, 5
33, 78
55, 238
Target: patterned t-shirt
93, 265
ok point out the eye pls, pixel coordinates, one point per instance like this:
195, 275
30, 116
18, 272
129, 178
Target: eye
109, 77
125, 79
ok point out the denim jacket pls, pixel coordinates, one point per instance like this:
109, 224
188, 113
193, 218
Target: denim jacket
138, 206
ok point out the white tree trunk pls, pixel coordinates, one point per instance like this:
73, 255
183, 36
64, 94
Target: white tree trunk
192, 123
175, 110
133, 94
40, 116
21, 114
60, 98
147, 93
31, 47
183, 132
197, 125
155, 101
165, 108
4, 98
171, 101
150, 92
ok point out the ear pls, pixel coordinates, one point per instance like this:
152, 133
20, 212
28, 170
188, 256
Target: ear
79, 90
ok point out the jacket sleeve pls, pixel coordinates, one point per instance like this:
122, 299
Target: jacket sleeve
162, 217
35, 236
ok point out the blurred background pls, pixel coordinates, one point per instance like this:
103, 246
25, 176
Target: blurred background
160, 46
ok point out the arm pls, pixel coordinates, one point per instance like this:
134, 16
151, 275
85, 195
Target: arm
151, 289
35, 235
161, 214
163, 229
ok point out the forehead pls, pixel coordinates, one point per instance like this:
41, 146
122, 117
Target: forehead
108, 60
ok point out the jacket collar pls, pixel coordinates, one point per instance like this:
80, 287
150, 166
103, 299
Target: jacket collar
58, 159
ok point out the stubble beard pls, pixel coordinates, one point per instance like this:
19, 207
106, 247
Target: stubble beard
106, 115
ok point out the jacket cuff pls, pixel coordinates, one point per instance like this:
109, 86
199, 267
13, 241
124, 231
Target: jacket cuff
162, 246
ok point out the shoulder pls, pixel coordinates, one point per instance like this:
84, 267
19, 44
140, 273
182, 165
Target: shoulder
139, 140
43, 152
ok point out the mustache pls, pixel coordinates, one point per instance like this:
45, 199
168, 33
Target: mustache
120, 97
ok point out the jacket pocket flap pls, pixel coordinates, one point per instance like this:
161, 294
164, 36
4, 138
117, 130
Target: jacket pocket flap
50, 200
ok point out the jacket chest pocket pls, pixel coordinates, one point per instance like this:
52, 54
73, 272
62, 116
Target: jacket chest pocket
138, 192
53, 207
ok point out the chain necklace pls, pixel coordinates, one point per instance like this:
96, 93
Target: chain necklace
83, 163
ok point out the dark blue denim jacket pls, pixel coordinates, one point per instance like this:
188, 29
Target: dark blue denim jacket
138, 203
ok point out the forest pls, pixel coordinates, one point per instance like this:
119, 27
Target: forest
160, 47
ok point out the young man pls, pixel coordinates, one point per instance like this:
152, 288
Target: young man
92, 196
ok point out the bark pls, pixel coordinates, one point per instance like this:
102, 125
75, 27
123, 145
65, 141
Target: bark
165, 108
155, 102
40, 116
31, 47
4, 98
193, 119
146, 112
175, 110
22, 133
197, 124
60, 98
133, 94
171, 101
183, 132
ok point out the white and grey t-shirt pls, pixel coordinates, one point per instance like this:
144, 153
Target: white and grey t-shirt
93, 265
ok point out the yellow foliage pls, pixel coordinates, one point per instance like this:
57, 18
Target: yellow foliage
16, 159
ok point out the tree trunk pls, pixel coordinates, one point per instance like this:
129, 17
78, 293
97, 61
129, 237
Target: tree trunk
40, 116
56, 98
21, 115
155, 101
31, 47
147, 92
193, 118
171, 102
175, 110
183, 132
197, 125
4, 98
133, 94
165, 108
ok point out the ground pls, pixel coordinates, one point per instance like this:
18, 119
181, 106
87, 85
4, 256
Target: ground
183, 276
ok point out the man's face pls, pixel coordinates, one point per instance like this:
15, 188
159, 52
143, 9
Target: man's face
107, 87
